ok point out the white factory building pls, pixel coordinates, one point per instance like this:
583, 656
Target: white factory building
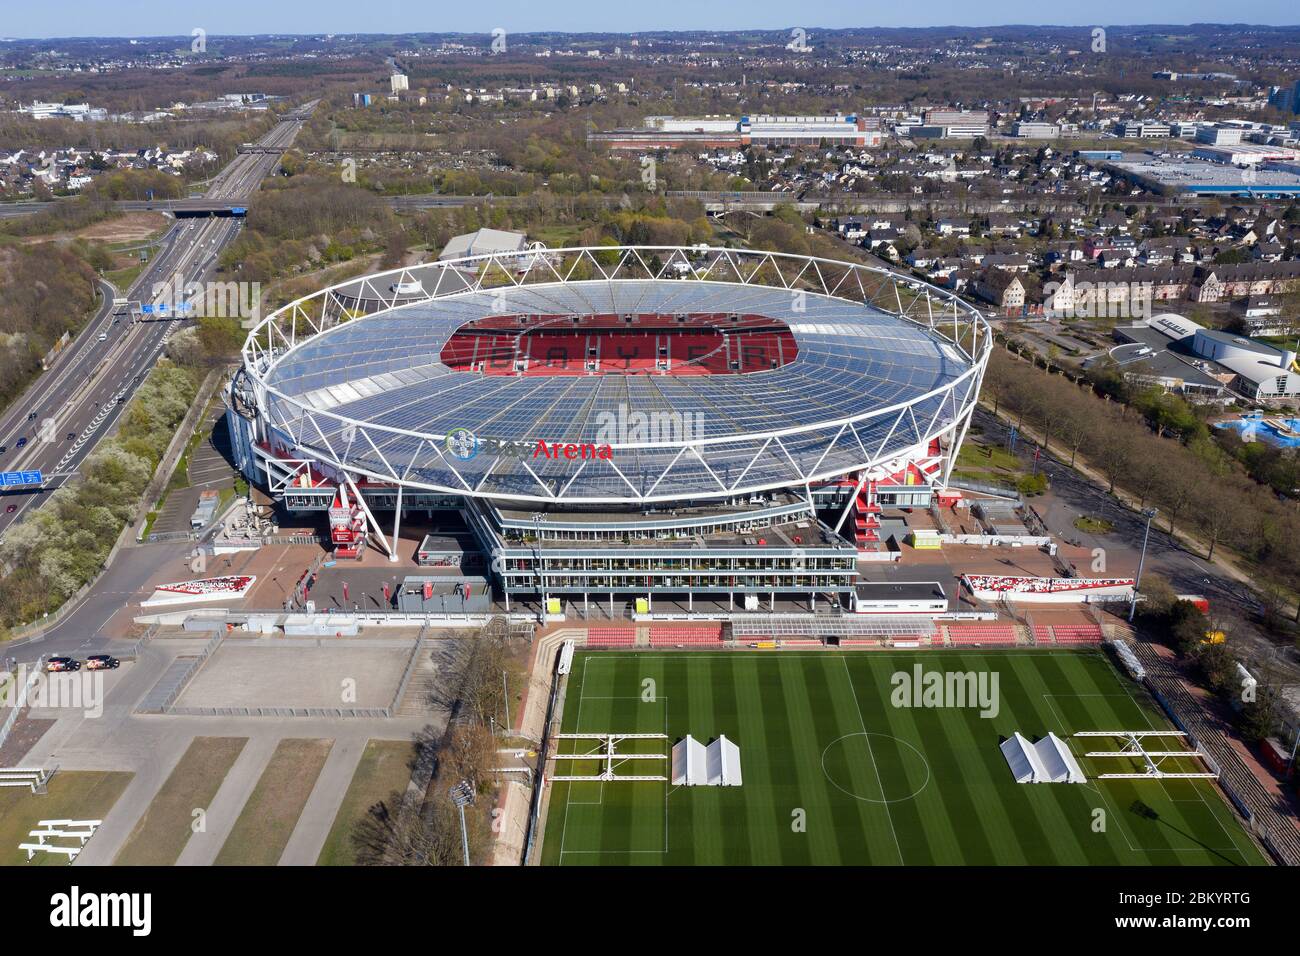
1252, 369
1260, 372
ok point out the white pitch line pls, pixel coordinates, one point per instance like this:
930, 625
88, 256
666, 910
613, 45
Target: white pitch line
875, 766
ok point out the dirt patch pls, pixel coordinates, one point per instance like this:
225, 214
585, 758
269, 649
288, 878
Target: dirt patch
127, 227
26, 733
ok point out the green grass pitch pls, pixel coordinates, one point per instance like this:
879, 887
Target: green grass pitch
835, 774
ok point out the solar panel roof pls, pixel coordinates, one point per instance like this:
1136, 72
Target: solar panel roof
385, 369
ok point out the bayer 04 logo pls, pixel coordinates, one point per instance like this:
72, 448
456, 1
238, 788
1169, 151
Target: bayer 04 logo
462, 443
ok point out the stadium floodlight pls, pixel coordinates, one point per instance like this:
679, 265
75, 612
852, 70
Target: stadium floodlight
462, 795
1148, 513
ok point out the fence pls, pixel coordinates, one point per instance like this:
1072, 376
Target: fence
20, 699
330, 712
174, 679
986, 488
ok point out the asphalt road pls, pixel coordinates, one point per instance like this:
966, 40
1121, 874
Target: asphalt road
1186, 571
92, 381
79, 633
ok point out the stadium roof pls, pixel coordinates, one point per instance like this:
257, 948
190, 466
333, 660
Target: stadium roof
386, 369
863, 388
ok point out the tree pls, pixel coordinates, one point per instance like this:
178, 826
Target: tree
1115, 457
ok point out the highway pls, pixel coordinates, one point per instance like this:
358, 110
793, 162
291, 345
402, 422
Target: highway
70, 407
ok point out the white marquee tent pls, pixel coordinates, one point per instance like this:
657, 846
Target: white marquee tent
1048, 761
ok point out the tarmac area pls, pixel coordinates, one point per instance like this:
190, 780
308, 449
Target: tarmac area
288, 672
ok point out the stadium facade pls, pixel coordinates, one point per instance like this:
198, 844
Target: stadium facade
618, 422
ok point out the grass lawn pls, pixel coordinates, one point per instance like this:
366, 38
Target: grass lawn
73, 795
834, 773
557, 237
385, 768
1092, 525
163, 831
979, 462
268, 818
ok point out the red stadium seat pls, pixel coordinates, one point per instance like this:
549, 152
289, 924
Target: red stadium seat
996, 634
611, 636
664, 635
1077, 633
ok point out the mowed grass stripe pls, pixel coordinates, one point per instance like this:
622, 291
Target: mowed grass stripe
1035, 808
1083, 702
930, 833
1063, 811
1084, 696
786, 710
833, 831
763, 735
903, 773
1048, 835
729, 802
853, 763
705, 844
976, 764
1169, 835
620, 831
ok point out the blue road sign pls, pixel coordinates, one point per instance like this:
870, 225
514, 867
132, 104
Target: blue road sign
12, 479
146, 309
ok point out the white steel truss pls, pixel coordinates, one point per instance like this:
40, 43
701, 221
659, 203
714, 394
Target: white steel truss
1134, 748
803, 454
607, 752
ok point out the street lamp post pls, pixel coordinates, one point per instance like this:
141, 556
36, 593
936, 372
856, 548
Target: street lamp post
463, 795
1148, 513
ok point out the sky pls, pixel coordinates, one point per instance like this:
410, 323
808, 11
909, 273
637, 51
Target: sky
178, 17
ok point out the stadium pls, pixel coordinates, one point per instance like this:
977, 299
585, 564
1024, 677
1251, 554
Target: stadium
617, 420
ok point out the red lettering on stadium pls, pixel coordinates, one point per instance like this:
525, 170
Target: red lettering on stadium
572, 450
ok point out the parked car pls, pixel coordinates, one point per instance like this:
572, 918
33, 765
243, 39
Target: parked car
56, 664
102, 662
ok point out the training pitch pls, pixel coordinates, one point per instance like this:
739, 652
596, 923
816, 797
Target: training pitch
834, 773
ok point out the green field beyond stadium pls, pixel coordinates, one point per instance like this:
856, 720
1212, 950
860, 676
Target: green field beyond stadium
834, 773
